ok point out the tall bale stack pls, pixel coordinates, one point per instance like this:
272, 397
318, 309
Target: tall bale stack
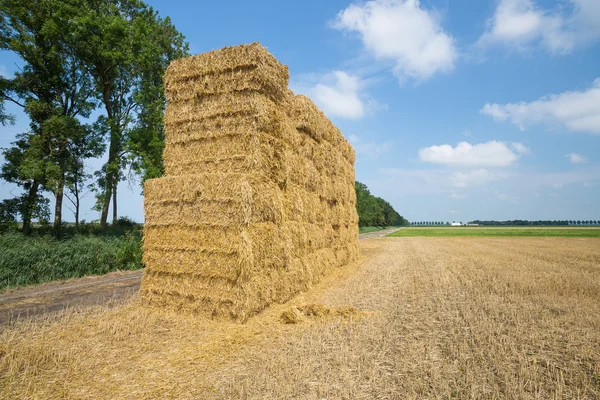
257, 201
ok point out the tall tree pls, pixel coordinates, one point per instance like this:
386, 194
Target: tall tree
87, 145
53, 89
126, 47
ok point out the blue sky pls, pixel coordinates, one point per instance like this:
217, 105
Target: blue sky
457, 110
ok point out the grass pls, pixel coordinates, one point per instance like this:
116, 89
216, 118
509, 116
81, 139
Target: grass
441, 318
500, 232
42, 258
367, 229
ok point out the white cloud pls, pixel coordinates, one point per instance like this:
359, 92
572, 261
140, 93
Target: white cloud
490, 154
475, 178
3, 71
368, 149
341, 98
338, 93
577, 111
520, 148
522, 23
577, 158
457, 196
404, 32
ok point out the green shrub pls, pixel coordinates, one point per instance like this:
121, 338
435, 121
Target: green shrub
42, 258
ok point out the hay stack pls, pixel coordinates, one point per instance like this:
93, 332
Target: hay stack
258, 196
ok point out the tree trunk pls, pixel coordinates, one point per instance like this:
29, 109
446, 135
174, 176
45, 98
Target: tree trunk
112, 154
115, 203
59, 194
76, 193
106, 201
110, 177
30, 202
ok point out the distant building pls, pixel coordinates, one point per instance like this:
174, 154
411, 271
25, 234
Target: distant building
456, 224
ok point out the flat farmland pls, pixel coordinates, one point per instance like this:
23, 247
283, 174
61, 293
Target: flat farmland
432, 317
492, 231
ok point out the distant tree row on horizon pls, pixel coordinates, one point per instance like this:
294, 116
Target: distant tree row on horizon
516, 222
519, 222
429, 223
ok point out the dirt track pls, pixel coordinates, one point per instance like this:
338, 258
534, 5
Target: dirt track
82, 292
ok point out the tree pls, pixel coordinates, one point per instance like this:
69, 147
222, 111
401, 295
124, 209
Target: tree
369, 210
374, 211
126, 47
24, 166
87, 145
53, 90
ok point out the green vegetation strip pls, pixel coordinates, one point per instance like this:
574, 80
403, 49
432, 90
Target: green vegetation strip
368, 229
39, 259
500, 232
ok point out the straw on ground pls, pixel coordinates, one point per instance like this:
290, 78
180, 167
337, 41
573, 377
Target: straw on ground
439, 318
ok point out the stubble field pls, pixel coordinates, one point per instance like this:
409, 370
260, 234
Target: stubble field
435, 317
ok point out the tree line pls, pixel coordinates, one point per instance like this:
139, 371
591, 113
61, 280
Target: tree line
375, 211
516, 222
520, 222
429, 223
90, 84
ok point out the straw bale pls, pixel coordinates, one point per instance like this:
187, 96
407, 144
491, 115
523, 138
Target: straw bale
206, 264
311, 121
257, 202
240, 154
246, 66
212, 199
264, 247
221, 108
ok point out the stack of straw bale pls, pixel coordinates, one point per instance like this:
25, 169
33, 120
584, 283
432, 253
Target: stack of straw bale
258, 197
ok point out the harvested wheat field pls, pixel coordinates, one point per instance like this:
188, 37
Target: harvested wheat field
415, 318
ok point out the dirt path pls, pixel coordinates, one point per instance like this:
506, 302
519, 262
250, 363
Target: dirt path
53, 297
57, 296
378, 234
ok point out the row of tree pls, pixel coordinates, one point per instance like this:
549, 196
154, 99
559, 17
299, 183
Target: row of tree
520, 222
429, 223
374, 211
79, 56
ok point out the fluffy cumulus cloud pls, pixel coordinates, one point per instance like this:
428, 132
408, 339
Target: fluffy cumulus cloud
490, 154
522, 23
577, 158
404, 32
577, 111
338, 93
341, 97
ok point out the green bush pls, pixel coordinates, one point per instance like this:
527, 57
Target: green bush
42, 258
